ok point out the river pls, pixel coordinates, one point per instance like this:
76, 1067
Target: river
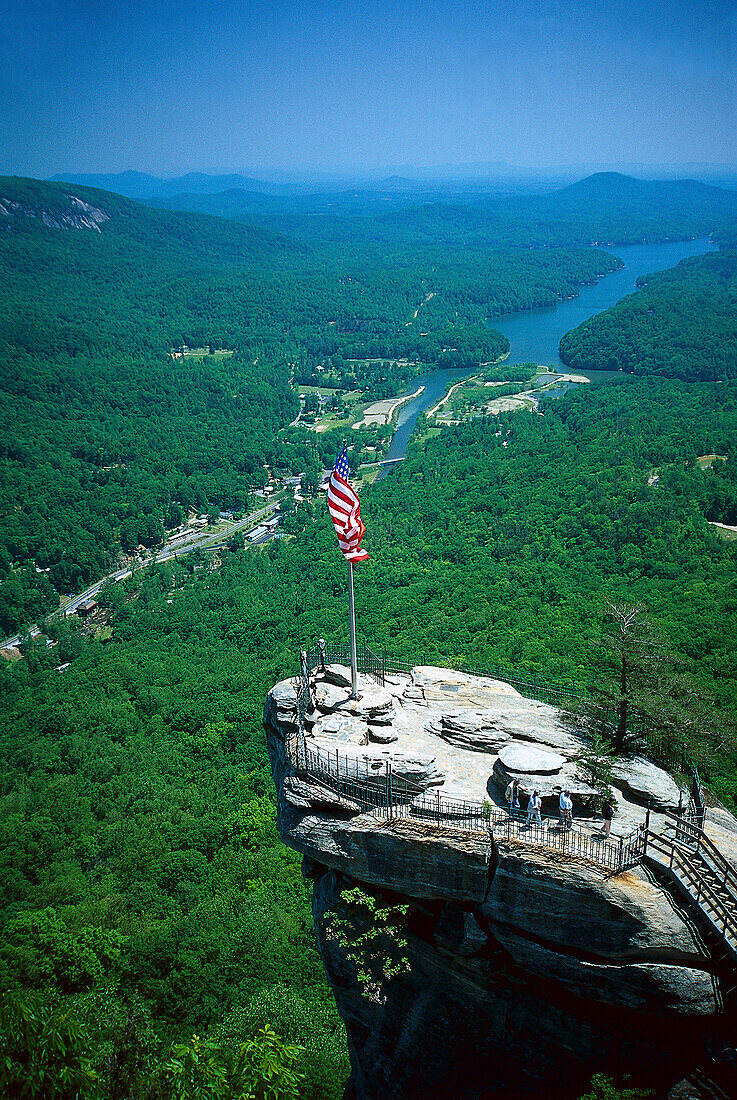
534, 334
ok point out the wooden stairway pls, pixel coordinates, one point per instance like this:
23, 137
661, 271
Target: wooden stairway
703, 876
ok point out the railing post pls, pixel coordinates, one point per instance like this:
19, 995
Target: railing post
621, 847
389, 786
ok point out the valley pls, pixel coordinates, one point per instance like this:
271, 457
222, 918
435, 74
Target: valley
145, 892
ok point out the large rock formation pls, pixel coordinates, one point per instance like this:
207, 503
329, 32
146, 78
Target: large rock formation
527, 970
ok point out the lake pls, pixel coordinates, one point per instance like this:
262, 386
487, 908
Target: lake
534, 334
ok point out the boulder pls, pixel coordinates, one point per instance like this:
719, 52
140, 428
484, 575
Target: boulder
372, 765
374, 704
645, 986
573, 908
399, 854
480, 731
549, 787
340, 729
382, 735
327, 696
281, 703
306, 794
646, 783
340, 675
527, 759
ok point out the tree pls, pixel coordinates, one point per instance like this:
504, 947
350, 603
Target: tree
373, 938
602, 1087
595, 763
42, 1051
630, 650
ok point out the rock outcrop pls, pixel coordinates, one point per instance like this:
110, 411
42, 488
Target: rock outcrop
528, 970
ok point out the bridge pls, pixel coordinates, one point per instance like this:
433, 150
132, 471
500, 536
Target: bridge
381, 462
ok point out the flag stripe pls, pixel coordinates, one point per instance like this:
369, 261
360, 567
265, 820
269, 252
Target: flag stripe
345, 511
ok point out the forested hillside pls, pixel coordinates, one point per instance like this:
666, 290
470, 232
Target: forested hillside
606, 208
101, 427
143, 883
682, 324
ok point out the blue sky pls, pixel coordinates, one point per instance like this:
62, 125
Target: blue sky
169, 86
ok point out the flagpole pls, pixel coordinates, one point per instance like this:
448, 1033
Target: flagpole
352, 617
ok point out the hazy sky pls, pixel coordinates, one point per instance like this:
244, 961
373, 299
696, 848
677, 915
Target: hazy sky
168, 86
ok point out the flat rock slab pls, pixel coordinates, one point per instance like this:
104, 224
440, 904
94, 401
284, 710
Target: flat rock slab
645, 782
340, 729
530, 760
446, 679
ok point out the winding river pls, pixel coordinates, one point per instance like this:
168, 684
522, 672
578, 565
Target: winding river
534, 334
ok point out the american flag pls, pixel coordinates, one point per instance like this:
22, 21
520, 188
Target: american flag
345, 510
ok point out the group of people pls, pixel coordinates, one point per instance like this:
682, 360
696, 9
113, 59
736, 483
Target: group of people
565, 807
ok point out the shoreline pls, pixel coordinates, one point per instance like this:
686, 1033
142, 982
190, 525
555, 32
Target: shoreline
382, 412
441, 402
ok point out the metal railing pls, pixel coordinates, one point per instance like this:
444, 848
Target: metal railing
379, 667
691, 836
372, 785
707, 878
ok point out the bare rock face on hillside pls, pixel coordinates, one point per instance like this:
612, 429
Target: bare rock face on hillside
526, 970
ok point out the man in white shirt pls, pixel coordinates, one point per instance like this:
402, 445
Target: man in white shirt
566, 810
533, 808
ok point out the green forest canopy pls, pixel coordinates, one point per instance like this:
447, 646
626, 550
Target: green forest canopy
144, 892
682, 324
101, 430
143, 878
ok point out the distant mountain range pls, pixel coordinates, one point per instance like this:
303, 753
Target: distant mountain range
139, 185
606, 208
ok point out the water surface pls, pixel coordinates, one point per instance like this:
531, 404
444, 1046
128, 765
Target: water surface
534, 334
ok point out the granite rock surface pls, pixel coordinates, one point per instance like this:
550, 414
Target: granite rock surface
527, 968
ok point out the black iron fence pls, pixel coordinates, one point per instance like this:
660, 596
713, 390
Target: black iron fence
661, 747
372, 785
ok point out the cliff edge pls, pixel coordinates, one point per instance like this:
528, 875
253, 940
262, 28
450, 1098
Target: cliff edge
479, 957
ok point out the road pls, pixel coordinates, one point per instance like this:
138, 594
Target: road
198, 541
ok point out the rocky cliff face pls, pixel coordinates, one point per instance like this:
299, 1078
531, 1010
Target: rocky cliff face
526, 969
69, 212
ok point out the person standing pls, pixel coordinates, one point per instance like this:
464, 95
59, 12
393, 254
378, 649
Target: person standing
322, 645
566, 810
607, 812
533, 809
512, 796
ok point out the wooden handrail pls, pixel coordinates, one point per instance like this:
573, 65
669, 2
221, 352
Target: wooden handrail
725, 914
705, 843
